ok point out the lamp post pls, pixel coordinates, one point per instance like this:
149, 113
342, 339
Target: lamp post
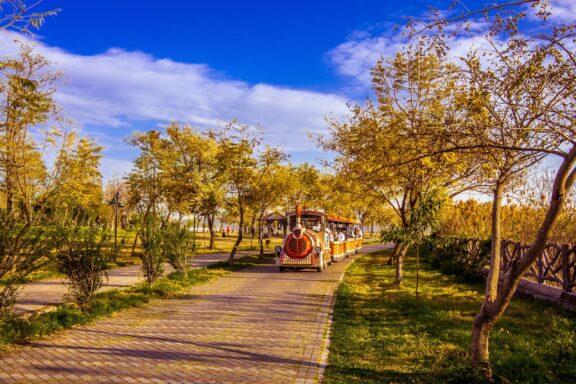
117, 204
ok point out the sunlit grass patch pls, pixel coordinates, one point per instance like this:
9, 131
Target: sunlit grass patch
380, 334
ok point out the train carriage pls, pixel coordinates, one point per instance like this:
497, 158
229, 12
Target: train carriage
311, 242
347, 237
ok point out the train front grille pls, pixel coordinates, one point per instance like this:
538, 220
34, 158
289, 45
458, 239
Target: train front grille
298, 248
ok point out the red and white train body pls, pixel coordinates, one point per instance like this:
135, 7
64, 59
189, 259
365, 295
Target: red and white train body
313, 240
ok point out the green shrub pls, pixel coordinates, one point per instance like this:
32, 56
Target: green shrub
176, 244
23, 250
457, 256
84, 261
152, 257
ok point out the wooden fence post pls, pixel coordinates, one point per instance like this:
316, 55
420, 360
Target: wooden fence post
565, 268
540, 265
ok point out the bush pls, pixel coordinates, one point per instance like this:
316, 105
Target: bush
83, 260
23, 250
457, 256
151, 256
176, 243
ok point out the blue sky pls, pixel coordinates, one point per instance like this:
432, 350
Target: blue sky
277, 42
286, 65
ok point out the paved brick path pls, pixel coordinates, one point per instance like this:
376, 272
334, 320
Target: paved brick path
251, 326
44, 294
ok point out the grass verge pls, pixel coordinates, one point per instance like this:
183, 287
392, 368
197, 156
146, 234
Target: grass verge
380, 335
18, 330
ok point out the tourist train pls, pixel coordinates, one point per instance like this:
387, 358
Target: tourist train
315, 239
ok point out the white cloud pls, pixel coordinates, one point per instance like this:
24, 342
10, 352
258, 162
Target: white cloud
114, 168
355, 57
563, 11
115, 90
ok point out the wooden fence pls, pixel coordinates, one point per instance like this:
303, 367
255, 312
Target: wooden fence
556, 265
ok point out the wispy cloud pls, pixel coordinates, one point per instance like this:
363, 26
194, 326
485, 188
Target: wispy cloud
563, 11
355, 57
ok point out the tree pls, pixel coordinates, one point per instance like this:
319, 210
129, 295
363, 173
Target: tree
194, 183
237, 145
27, 184
304, 187
270, 184
27, 88
20, 15
416, 92
146, 184
523, 90
346, 197
79, 189
520, 109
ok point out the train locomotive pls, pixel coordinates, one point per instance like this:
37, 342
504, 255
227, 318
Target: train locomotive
315, 239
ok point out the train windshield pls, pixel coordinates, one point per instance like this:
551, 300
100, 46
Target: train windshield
313, 222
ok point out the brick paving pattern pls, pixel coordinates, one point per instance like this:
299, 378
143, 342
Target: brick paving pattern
251, 326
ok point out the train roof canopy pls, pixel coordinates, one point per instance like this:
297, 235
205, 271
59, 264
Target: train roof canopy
275, 217
305, 211
342, 219
329, 217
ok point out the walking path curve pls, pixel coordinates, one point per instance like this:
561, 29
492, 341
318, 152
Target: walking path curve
252, 326
45, 294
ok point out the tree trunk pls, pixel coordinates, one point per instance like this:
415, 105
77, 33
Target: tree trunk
394, 254
495, 247
238, 239
485, 320
65, 216
212, 231
481, 327
400, 263
134, 245
252, 233
10, 176
260, 232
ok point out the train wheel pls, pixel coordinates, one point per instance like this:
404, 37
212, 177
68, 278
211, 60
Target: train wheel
319, 269
282, 269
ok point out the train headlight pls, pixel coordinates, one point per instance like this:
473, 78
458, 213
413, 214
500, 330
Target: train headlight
278, 249
317, 250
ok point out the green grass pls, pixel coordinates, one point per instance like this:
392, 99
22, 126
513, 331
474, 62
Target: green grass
376, 239
17, 330
380, 335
